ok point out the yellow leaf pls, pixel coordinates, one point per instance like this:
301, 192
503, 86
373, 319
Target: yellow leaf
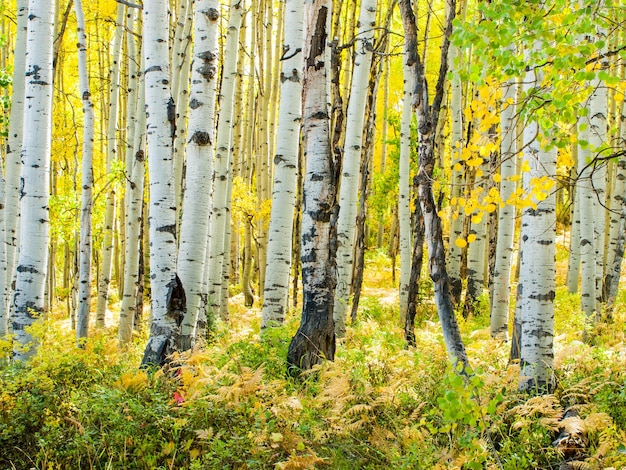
460, 242
476, 219
525, 166
471, 238
497, 178
276, 437
458, 167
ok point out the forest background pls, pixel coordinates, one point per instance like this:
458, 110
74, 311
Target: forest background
510, 166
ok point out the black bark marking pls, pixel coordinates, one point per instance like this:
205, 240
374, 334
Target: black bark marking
167, 228
201, 138
154, 68
195, 104
318, 41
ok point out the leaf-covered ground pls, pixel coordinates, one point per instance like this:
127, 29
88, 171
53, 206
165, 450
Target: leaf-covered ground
378, 405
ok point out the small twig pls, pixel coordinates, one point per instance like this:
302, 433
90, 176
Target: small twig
129, 4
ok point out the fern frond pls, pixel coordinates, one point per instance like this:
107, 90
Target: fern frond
359, 408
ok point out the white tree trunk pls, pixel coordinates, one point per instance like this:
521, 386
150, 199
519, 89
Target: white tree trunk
200, 150
13, 166
618, 212
167, 292
404, 194
222, 158
573, 265
587, 211
109, 218
84, 265
349, 186
506, 217
538, 245
181, 62
32, 264
276, 289
597, 140
135, 169
457, 176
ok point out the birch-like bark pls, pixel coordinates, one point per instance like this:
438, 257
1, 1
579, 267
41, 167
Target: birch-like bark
538, 245
181, 63
223, 145
573, 264
404, 194
13, 166
168, 295
315, 339
32, 263
597, 120
276, 289
84, 273
200, 150
349, 186
586, 206
499, 325
617, 227
135, 169
109, 218
457, 177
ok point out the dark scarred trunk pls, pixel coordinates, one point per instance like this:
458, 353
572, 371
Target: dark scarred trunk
417, 261
315, 339
427, 118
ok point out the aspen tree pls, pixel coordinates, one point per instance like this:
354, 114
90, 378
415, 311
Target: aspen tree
181, 62
537, 273
349, 186
135, 169
404, 193
32, 263
428, 113
112, 142
499, 325
168, 294
13, 165
84, 289
457, 177
223, 172
276, 289
200, 150
315, 339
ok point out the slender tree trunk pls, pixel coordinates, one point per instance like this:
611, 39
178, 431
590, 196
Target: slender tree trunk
499, 326
349, 187
315, 339
415, 276
13, 166
427, 118
135, 167
573, 265
84, 290
167, 292
457, 177
109, 220
279, 252
200, 150
32, 264
222, 159
404, 193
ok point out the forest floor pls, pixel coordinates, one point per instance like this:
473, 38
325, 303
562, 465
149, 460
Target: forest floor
378, 405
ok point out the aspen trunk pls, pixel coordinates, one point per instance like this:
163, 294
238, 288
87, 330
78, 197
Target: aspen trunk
315, 339
168, 294
84, 290
32, 264
200, 151
279, 252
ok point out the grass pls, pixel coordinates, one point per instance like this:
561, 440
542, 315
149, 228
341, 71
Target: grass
378, 405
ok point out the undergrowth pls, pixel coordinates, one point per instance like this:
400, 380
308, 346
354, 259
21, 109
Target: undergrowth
378, 405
